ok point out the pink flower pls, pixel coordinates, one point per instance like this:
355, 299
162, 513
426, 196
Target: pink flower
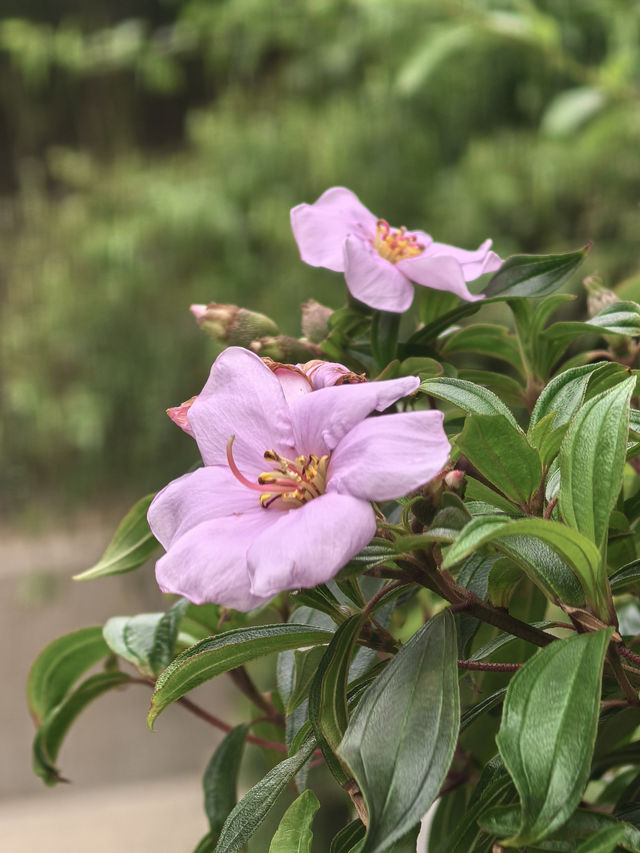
283, 499
380, 262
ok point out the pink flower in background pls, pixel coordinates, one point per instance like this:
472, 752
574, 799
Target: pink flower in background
283, 499
380, 262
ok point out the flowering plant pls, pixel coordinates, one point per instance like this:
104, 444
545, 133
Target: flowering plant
439, 560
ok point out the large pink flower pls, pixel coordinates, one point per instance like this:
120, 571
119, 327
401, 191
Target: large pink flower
283, 499
379, 262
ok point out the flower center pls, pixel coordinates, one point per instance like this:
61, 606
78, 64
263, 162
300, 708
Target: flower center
290, 483
395, 244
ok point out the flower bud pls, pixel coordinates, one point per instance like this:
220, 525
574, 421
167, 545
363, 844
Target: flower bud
283, 348
324, 374
232, 326
315, 320
598, 296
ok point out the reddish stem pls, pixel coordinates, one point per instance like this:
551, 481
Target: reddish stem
489, 667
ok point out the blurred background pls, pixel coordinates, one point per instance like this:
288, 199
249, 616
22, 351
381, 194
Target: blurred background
150, 151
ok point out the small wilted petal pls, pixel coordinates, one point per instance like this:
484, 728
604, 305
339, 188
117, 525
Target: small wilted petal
178, 415
325, 374
292, 378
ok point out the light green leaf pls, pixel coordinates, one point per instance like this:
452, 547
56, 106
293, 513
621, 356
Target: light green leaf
592, 458
502, 455
401, 737
220, 780
534, 275
146, 640
487, 339
471, 398
571, 109
625, 576
562, 396
215, 655
252, 809
132, 545
548, 731
56, 724
306, 666
604, 841
294, 832
348, 837
59, 665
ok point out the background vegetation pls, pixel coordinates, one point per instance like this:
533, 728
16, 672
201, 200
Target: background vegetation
151, 151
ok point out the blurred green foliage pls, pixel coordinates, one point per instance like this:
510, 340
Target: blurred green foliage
152, 151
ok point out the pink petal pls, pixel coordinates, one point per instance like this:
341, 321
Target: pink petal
321, 228
309, 545
473, 263
389, 456
242, 397
201, 495
326, 374
374, 280
178, 415
320, 420
294, 383
438, 273
209, 563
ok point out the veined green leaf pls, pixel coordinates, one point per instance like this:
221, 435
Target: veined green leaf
603, 841
592, 458
214, 655
348, 837
501, 454
294, 835
401, 737
306, 667
534, 275
625, 576
485, 338
621, 318
328, 696
563, 396
548, 731
471, 398
219, 783
132, 545
146, 640
59, 665
56, 724
252, 809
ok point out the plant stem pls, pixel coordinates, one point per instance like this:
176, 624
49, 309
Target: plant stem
225, 727
489, 666
244, 683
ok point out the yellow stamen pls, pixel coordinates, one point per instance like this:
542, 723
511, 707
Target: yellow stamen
395, 245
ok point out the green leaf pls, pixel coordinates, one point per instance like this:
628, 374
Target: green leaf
220, 779
563, 396
294, 832
306, 667
384, 336
502, 455
621, 318
571, 109
534, 275
592, 458
132, 545
476, 711
508, 389
471, 398
215, 655
625, 577
348, 837
328, 696
59, 665
206, 844
487, 339
56, 724
604, 841
477, 491
401, 737
146, 640
548, 731
572, 547
252, 809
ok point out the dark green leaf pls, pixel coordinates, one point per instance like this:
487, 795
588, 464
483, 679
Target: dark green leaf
328, 696
132, 545
215, 655
626, 576
508, 389
294, 832
220, 779
56, 724
502, 455
252, 809
306, 667
348, 837
59, 665
562, 396
548, 731
621, 318
476, 711
401, 737
534, 275
603, 841
491, 340
572, 547
477, 491
471, 398
592, 459
384, 336
206, 844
